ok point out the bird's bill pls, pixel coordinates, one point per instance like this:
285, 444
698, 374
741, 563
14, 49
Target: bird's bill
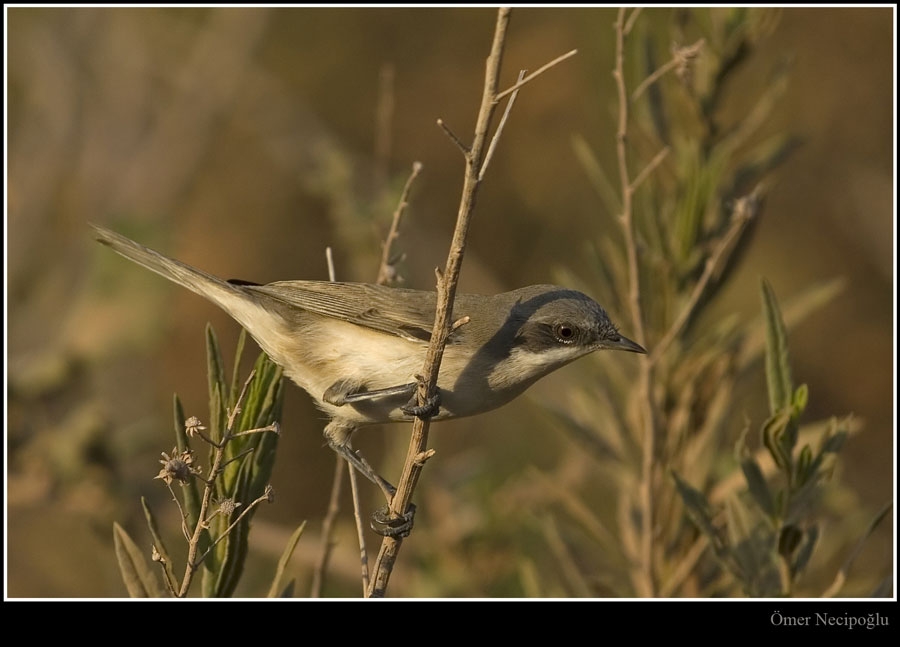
623, 343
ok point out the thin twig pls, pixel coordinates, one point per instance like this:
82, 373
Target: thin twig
684, 567
329, 523
680, 56
456, 140
326, 542
643, 575
745, 210
386, 271
841, 577
218, 457
537, 73
629, 24
446, 291
274, 427
499, 131
266, 496
656, 161
360, 528
184, 517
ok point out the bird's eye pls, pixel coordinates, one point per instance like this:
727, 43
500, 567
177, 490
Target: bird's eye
564, 332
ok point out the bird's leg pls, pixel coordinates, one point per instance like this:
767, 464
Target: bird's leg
337, 435
350, 391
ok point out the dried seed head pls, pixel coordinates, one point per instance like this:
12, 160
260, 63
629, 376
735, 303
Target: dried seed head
180, 468
193, 426
227, 506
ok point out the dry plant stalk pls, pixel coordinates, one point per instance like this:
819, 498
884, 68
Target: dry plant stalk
477, 156
642, 576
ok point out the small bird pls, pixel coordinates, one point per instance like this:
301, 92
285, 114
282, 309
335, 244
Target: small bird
356, 348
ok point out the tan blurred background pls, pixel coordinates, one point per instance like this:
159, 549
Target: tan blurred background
244, 141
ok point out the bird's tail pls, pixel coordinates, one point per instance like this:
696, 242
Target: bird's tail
206, 285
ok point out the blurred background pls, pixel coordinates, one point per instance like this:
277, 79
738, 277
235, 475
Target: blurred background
245, 141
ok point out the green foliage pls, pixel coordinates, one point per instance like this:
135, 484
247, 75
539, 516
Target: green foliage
662, 436
276, 589
216, 504
769, 538
140, 581
248, 459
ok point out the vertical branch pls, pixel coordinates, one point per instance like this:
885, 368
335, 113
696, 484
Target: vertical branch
446, 292
643, 575
387, 272
328, 524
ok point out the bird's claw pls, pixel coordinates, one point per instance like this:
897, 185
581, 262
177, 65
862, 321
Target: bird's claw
387, 525
431, 406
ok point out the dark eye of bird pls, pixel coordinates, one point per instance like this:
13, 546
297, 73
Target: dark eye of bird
564, 332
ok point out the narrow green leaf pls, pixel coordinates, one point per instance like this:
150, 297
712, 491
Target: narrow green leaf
841, 577
236, 368
191, 492
157, 539
758, 487
788, 540
804, 462
284, 560
834, 443
780, 503
762, 159
215, 373
182, 442
806, 550
739, 524
796, 309
773, 431
778, 370
801, 398
787, 440
831, 443
604, 187
140, 581
232, 553
699, 510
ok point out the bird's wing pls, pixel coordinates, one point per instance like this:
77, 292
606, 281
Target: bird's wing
405, 313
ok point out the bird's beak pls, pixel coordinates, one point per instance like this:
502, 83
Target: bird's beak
623, 343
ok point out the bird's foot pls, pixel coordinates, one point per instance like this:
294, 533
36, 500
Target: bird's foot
387, 525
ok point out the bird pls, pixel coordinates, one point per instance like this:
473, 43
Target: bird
356, 348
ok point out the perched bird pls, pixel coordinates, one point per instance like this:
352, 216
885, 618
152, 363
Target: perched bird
356, 347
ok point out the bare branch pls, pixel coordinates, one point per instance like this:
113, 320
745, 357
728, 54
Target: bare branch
456, 140
446, 293
538, 72
681, 57
386, 271
656, 161
499, 131
629, 24
326, 542
643, 575
745, 210
360, 529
